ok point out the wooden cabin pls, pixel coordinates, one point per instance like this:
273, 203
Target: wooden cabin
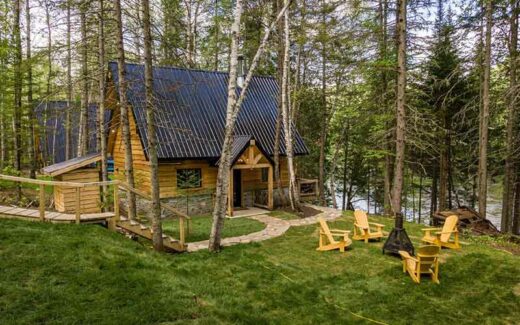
190, 114
77, 170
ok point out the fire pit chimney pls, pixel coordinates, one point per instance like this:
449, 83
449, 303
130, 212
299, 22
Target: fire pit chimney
398, 239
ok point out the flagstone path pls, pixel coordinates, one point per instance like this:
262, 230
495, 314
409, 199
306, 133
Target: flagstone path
274, 227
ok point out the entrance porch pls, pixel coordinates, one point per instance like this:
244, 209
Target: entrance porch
250, 178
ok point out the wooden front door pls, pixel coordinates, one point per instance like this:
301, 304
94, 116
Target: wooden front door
237, 188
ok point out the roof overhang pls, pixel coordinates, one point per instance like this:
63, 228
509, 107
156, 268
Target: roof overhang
71, 164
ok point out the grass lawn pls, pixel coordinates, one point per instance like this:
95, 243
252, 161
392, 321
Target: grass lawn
283, 215
86, 274
201, 227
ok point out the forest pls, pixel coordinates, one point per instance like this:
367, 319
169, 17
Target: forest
405, 106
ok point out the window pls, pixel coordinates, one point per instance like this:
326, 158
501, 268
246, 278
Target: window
189, 178
265, 174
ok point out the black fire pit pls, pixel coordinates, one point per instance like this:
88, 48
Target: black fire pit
398, 239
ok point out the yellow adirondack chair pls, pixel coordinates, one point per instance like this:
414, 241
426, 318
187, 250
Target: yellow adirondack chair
441, 236
426, 262
327, 241
362, 229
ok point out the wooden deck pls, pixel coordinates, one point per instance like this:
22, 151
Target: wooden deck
15, 212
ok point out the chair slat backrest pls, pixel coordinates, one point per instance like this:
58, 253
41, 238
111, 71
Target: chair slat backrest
325, 228
428, 255
450, 224
361, 219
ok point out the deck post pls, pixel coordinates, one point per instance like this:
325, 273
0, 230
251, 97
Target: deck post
78, 205
270, 201
230, 194
42, 202
116, 202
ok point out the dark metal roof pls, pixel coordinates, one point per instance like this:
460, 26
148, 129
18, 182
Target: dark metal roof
51, 115
191, 111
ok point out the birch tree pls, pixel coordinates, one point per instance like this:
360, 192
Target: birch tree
294, 195
232, 110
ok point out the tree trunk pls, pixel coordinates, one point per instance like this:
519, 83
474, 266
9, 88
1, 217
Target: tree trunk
433, 195
511, 137
49, 80
17, 94
225, 157
152, 137
419, 208
68, 144
324, 122
383, 49
400, 107
83, 119
30, 108
333, 166
123, 105
277, 4
345, 165
101, 104
484, 115
232, 110
516, 214
443, 178
294, 191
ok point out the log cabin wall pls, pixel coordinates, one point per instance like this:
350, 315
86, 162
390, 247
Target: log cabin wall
65, 197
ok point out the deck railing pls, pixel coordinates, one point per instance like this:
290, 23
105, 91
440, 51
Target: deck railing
184, 220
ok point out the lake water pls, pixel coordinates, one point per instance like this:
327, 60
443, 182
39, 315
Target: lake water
494, 208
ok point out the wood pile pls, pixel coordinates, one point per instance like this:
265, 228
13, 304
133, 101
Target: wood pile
469, 219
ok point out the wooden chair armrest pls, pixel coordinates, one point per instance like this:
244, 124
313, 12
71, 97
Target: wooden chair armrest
445, 232
339, 234
406, 255
430, 229
340, 231
378, 225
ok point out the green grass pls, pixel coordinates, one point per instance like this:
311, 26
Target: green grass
201, 227
283, 215
85, 274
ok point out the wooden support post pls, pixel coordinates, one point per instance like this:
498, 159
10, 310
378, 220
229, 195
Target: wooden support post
182, 234
42, 202
78, 205
116, 202
270, 201
230, 194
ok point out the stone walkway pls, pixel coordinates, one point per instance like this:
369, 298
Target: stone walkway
274, 227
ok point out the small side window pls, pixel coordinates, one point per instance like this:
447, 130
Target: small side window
189, 178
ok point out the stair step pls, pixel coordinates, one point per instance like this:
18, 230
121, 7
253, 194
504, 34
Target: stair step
143, 227
133, 223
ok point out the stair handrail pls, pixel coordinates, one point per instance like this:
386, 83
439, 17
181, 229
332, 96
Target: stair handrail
182, 216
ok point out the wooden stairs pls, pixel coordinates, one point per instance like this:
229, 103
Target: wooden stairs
144, 231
